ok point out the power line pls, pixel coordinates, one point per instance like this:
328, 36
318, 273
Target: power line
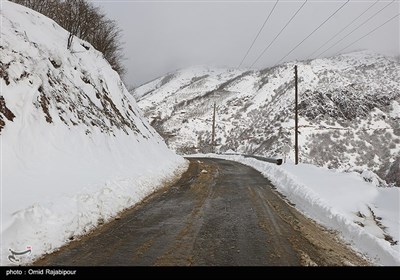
368, 33
258, 34
313, 32
364, 22
344, 28
262, 53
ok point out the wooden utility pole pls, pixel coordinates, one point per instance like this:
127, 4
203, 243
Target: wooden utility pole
296, 120
213, 131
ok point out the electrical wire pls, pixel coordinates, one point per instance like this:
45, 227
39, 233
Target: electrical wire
344, 28
349, 45
262, 53
363, 23
258, 34
313, 31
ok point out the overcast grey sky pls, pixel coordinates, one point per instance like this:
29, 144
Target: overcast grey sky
161, 36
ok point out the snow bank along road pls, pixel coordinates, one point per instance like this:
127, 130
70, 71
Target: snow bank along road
219, 213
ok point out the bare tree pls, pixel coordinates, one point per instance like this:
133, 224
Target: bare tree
107, 38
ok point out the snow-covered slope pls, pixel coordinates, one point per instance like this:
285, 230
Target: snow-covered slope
349, 108
75, 149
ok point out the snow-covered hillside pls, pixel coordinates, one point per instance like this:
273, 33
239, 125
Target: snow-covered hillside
75, 149
349, 108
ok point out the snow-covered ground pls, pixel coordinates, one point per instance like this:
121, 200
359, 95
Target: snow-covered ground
75, 149
365, 215
57, 185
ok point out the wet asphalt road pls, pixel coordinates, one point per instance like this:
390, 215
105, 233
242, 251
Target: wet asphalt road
219, 213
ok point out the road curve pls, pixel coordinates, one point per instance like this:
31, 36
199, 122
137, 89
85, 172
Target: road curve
219, 213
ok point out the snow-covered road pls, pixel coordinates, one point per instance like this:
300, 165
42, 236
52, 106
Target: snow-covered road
219, 213
364, 213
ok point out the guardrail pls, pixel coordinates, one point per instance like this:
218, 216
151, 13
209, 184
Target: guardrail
278, 161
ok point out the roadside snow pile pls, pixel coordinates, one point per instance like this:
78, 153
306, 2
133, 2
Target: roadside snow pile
75, 149
365, 215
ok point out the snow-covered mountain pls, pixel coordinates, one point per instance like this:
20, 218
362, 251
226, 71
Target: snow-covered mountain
75, 149
349, 108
